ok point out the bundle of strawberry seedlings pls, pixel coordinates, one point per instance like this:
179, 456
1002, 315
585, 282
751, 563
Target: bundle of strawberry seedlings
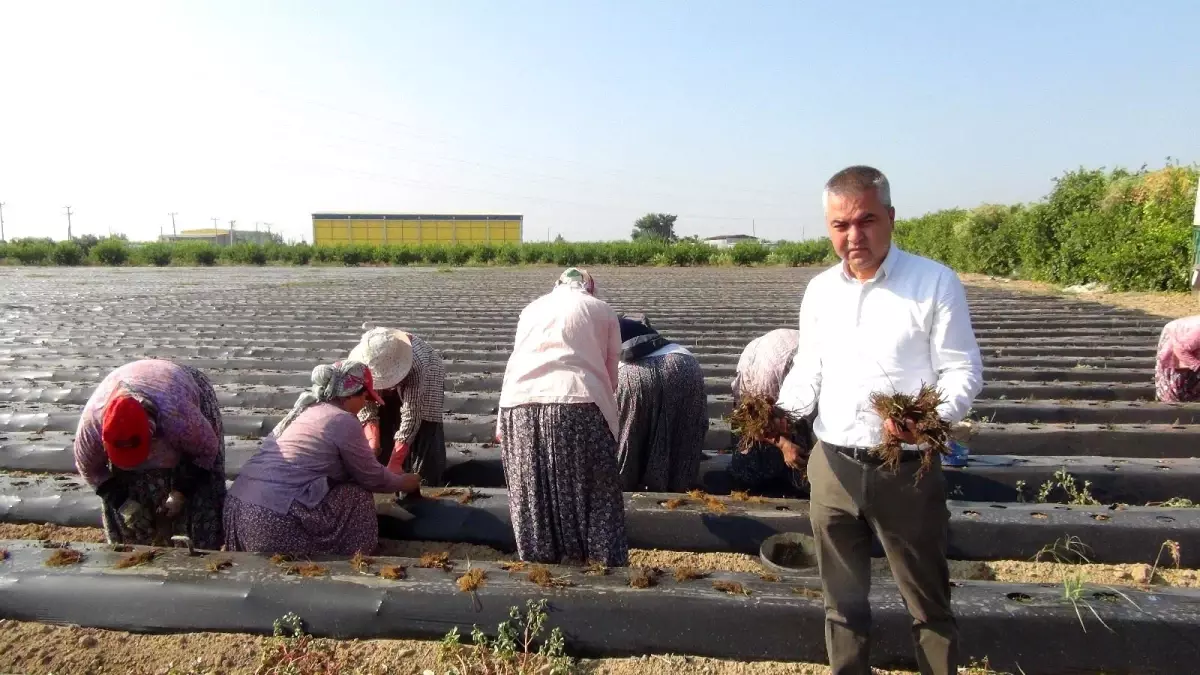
757, 419
931, 431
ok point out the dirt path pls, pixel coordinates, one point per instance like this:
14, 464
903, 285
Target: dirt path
35, 649
1167, 305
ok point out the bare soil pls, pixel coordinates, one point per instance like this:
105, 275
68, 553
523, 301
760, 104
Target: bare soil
1167, 305
36, 648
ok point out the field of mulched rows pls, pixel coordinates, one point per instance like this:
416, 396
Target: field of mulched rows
1068, 402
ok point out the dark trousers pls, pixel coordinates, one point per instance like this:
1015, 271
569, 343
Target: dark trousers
426, 454
850, 500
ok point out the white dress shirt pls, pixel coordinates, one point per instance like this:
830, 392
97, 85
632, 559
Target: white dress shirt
907, 326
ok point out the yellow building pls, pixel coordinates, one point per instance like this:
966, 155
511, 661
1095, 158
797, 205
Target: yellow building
409, 228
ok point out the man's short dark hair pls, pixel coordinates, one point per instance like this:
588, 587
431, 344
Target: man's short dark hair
855, 180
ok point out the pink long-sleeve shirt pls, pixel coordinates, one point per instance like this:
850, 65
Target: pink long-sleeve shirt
323, 444
181, 431
567, 349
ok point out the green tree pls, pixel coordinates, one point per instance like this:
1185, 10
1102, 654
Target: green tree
655, 226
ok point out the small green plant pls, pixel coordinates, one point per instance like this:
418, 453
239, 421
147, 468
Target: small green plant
1175, 503
512, 651
157, 254
291, 651
1069, 550
1079, 496
1170, 547
1020, 487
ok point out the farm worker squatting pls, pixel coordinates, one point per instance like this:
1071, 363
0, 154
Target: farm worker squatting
883, 318
760, 372
558, 427
151, 443
410, 378
663, 411
308, 489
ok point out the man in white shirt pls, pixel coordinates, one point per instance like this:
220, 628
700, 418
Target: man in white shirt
881, 320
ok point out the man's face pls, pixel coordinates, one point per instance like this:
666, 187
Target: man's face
860, 227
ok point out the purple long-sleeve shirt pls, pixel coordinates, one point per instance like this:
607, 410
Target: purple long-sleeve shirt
324, 444
182, 429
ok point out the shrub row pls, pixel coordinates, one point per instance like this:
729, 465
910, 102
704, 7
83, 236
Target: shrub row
683, 253
1130, 230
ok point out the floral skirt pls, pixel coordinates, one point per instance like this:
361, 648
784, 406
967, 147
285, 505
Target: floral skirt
565, 501
664, 418
343, 523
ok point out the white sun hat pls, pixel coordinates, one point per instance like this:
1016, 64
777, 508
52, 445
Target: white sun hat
387, 352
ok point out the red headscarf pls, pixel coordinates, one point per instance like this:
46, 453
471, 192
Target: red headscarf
125, 431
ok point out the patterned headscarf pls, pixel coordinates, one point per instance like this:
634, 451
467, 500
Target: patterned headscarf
329, 383
577, 278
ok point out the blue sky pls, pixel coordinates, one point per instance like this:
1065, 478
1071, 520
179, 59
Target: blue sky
581, 116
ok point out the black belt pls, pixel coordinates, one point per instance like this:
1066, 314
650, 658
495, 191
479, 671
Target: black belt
864, 456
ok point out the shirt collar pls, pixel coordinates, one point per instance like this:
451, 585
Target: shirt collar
885, 269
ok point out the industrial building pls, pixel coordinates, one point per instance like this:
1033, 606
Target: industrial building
412, 228
222, 237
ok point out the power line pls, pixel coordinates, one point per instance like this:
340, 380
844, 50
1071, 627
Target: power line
69, 237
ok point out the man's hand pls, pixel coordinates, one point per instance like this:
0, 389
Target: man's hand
371, 429
793, 456
173, 506
907, 435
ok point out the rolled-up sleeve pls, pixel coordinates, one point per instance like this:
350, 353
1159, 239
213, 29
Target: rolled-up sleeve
802, 387
359, 459
90, 459
954, 352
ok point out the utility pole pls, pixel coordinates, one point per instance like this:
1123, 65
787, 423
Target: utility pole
231, 231
753, 229
69, 237
1, 222
173, 214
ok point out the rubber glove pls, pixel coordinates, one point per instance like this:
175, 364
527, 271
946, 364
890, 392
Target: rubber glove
371, 429
399, 454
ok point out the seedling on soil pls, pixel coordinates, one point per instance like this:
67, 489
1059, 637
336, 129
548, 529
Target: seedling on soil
293, 652
361, 563
739, 496
730, 587
769, 578
1175, 503
921, 412
1066, 482
513, 566
306, 570
512, 651
63, 557
436, 560
1171, 547
217, 564
472, 580
687, 573
710, 502
640, 577
1069, 550
596, 569
393, 572
810, 593
139, 558
542, 576
120, 548
281, 558
674, 503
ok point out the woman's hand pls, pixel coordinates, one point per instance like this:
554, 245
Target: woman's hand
173, 506
410, 482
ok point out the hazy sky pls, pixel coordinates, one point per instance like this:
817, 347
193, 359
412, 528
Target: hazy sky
581, 116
